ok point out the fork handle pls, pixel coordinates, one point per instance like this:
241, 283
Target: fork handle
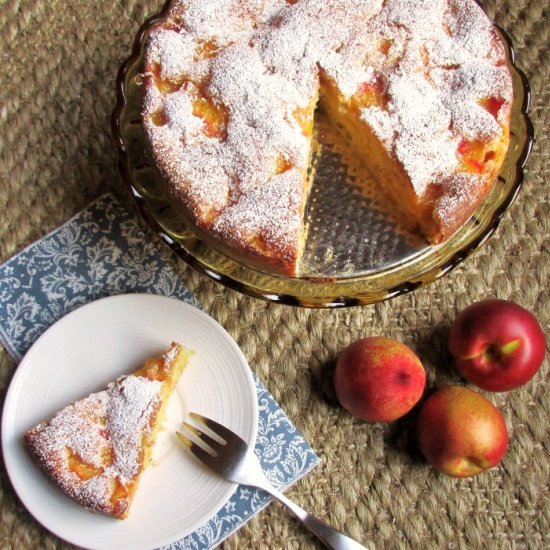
331, 537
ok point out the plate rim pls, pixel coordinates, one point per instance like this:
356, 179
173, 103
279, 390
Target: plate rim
413, 281
21, 372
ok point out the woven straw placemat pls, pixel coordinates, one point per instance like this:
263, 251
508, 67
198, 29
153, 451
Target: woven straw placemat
57, 72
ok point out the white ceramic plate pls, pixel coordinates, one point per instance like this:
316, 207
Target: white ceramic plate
82, 353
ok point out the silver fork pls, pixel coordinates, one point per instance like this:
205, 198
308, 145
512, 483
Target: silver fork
230, 457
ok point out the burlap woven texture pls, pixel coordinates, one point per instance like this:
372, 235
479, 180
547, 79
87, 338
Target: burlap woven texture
58, 66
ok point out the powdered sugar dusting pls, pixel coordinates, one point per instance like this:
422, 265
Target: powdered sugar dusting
462, 192
103, 431
262, 126
130, 406
271, 212
437, 63
425, 144
381, 123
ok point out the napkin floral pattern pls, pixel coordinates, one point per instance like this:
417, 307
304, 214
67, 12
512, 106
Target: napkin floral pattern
104, 251
100, 252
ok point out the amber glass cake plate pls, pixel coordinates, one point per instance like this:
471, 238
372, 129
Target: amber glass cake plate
356, 251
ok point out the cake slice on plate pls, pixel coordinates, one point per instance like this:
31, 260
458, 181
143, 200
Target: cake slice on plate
96, 448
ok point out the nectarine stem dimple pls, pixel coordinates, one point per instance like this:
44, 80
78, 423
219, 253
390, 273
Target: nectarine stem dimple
490, 354
493, 353
403, 377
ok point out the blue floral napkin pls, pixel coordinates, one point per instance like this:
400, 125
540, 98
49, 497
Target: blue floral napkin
103, 251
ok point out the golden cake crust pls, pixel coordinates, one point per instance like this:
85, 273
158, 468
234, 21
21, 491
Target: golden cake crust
96, 448
230, 90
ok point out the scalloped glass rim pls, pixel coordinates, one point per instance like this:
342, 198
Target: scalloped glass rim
420, 270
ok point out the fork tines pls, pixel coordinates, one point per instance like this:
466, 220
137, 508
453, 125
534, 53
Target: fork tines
198, 439
216, 428
192, 437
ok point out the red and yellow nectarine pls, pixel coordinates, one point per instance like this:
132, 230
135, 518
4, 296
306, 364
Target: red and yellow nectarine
378, 379
460, 432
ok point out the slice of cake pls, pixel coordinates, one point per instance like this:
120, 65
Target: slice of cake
96, 448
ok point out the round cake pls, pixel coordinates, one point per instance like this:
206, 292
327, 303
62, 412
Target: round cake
421, 91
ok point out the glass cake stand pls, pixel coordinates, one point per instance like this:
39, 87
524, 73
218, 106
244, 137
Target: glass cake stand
356, 252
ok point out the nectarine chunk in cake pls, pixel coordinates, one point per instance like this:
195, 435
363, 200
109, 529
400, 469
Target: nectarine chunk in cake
96, 448
214, 117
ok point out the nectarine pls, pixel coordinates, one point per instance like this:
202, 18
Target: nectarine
497, 344
460, 432
378, 379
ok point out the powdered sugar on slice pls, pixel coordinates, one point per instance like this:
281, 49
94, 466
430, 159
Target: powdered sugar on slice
130, 407
104, 432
